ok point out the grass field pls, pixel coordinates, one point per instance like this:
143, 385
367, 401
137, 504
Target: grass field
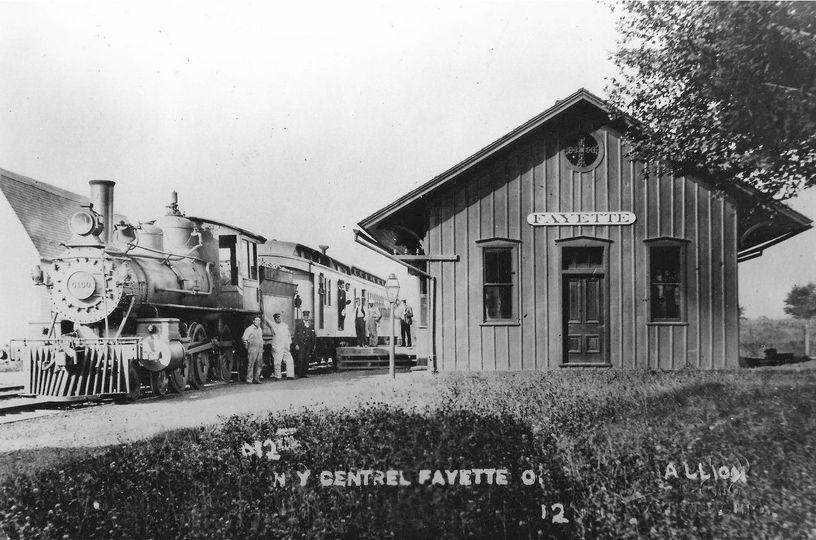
608, 454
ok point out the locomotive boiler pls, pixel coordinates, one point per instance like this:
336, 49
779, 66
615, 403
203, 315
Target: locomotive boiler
155, 303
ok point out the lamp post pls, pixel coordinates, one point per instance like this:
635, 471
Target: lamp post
392, 288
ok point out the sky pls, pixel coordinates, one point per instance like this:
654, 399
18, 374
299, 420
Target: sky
296, 120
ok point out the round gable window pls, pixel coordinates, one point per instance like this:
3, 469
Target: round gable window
583, 152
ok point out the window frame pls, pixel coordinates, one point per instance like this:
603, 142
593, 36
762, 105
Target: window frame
495, 244
682, 245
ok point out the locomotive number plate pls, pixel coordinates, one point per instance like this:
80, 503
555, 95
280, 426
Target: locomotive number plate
81, 285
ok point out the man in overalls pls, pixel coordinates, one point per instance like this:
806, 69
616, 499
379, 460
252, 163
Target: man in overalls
253, 341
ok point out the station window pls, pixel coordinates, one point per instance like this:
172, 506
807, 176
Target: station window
667, 280
500, 280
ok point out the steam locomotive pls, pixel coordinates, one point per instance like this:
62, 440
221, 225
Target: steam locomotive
164, 303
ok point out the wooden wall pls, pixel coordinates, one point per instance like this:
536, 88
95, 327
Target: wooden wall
494, 201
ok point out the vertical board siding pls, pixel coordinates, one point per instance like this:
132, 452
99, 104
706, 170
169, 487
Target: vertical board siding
460, 277
527, 290
515, 337
494, 200
474, 266
448, 280
732, 289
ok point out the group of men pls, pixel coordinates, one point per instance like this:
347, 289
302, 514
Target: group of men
281, 343
365, 323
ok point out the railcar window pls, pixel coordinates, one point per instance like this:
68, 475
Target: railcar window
228, 265
249, 259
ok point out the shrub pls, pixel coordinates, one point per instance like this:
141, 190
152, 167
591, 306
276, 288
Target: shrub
197, 483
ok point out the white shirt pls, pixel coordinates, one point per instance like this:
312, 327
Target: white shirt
253, 337
281, 338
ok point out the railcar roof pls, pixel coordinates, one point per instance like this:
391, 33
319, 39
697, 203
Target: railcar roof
254, 236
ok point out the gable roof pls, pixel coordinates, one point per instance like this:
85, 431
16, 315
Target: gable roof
497, 146
784, 221
43, 210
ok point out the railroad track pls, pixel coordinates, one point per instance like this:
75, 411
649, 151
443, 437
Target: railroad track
14, 406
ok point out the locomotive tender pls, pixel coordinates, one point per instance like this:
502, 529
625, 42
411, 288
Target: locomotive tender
160, 303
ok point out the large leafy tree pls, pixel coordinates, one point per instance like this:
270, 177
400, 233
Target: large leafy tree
801, 304
726, 90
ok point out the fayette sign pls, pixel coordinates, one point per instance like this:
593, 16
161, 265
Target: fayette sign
581, 218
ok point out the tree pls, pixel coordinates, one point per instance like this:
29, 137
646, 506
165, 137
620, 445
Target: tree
801, 304
722, 90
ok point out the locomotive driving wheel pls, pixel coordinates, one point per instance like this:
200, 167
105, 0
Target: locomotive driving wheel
177, 378
159, 382
200, 361
223, 368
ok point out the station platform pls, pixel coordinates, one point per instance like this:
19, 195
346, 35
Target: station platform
352, 358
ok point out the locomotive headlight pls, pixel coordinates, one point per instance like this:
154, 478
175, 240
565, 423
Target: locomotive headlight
84, 223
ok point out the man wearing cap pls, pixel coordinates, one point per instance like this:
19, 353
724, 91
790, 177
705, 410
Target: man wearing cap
281, 341
253, 341
304, 344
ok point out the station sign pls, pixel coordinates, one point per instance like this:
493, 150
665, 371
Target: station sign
581, 218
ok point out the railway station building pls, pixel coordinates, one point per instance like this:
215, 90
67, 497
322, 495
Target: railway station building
549, 248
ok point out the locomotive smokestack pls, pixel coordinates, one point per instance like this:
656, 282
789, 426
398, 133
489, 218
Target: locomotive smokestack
102, 199
173, 206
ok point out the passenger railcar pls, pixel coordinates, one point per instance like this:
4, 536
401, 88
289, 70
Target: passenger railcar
327, 288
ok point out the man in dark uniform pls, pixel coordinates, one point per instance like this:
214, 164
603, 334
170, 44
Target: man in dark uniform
341, 304
304, 344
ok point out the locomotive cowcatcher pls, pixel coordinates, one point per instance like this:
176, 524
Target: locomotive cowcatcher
160, 303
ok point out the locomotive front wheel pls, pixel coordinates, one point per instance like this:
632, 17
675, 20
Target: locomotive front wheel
135, 384
200, 360
177, 378
159, 382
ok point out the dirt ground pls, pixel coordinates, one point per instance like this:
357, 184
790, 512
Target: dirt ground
28, 443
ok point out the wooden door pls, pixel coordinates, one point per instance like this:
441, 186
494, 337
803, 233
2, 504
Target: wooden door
584, 319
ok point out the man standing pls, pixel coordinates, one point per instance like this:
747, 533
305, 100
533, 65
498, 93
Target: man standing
372, 321
253, 341
406, 316
359, 322
342, 304
281, 341
304, 344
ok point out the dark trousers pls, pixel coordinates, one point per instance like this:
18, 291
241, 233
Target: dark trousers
303, 357
405, 333
360, 329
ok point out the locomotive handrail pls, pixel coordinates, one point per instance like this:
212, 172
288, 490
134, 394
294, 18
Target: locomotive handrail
165, 255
